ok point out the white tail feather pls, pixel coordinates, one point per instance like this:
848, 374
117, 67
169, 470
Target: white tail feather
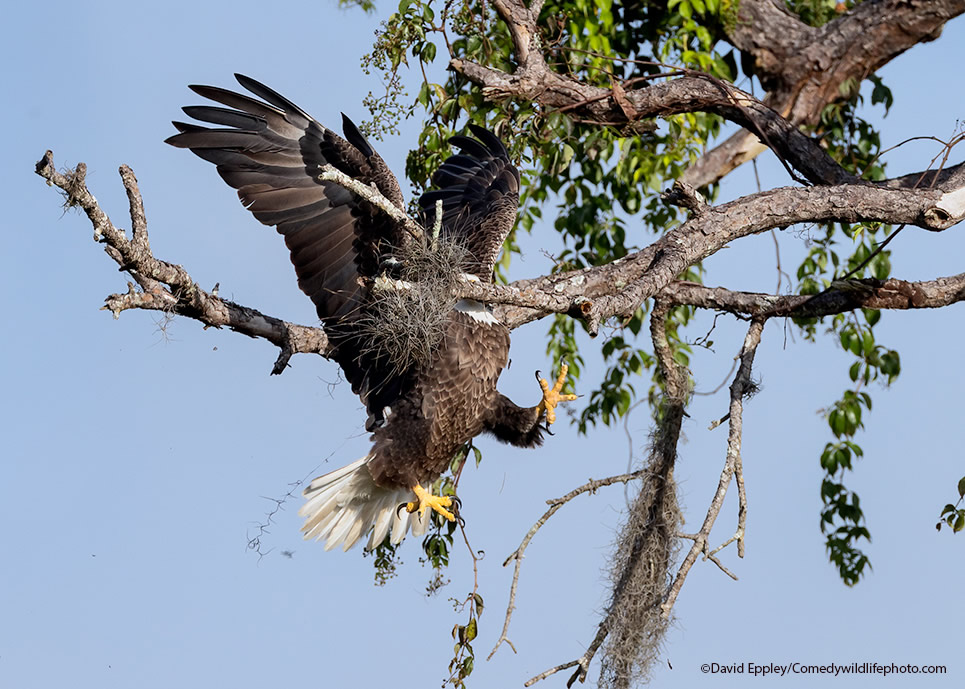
344, 505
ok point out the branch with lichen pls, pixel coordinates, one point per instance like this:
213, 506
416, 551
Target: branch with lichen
371, 194
166, 287
593, 294
619, 288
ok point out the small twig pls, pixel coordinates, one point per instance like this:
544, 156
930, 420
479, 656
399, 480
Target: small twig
710, 555
877, 250
723, 569
733, 365
437, 224
591, 486
552, 671
714, 424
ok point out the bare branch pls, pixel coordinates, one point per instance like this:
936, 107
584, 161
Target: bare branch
592, 294
867, 294
167, 287
738, 390
590, 487
620, 287
373, 196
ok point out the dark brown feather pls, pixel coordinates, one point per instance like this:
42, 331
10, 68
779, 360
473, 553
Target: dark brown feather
479, 190
271, 152
446, 408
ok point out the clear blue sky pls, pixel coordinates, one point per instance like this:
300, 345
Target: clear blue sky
135, 461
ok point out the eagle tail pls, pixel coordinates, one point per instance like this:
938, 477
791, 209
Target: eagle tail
346, 504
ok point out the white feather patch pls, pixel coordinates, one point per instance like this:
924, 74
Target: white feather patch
476, 310
344, 505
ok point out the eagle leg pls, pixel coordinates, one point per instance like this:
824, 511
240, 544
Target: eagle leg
552, 395
439, 503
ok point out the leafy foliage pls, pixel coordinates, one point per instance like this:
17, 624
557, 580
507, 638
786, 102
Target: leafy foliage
953, 516
855, 144
463, 660
386, 561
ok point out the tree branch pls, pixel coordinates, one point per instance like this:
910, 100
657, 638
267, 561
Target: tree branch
167, 287
739, 389
803, 67
619, 288
592, 294
590, 487
371, 194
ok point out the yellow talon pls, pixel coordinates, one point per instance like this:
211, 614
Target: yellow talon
439, 503
552, 396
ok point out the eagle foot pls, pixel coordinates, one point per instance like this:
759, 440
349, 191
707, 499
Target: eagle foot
427, 500
552, 395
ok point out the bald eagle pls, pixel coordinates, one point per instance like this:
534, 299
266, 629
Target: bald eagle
421, 412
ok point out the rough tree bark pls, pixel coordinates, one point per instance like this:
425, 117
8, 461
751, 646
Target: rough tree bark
802, 67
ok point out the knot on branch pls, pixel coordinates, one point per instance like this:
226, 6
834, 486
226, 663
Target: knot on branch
583, 309
895, 293
683, 195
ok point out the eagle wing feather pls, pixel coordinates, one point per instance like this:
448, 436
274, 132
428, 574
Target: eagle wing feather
271, 151
479, 190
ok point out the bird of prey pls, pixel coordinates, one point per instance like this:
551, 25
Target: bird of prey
421, 412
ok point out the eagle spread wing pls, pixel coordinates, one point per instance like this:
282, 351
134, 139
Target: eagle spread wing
273, 152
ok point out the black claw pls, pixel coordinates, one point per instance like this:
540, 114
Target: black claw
403, 506
455, 507
539, 375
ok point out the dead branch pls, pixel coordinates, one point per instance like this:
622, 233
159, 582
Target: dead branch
165, 286
620, 287
593, 294
374, 197
590, 487
741, 386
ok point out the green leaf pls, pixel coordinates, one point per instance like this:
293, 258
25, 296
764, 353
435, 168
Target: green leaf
470, 631
855, 370
478, 600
